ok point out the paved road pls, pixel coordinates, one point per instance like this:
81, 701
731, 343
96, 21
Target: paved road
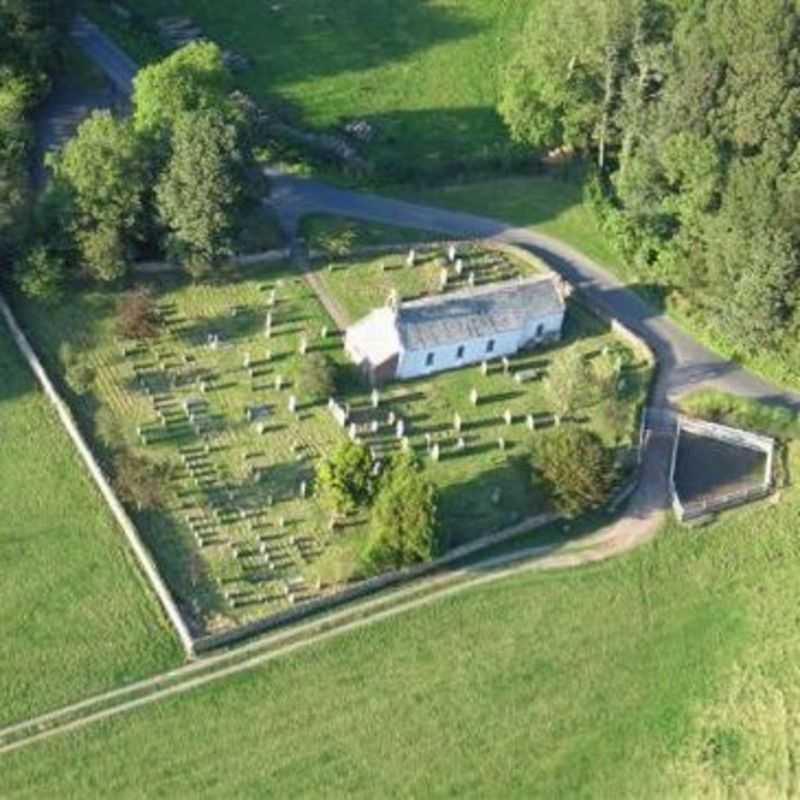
685, 364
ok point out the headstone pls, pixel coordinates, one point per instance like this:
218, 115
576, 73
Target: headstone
508, 416
435, 453
374, 426
530, 422
375, 397
278, 382
271, 298
501, 443
459, 266
457, 422
460, 444
292, 404
303, 345
323, 334
405, 444
391, 418
471, 279
428, 441
451, 253
400, 429
303, 489
474, 397
246, 361
506, 365
484, 368
411, 259
443, 278
352, 431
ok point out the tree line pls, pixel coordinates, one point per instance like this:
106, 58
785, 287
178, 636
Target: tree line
690, 110
31, 32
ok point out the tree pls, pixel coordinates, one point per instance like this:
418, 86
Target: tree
574, 467
137, 316
345, 477
197, 195
104, 168
192, 79
403, 522
316, 376
40, 274
567, 381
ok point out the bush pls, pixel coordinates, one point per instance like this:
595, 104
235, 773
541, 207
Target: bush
138, 480
40, 274
315, 376
403, 526
80, 377
345, 477
575, 468
137, 317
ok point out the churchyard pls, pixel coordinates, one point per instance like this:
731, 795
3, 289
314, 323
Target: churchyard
77, 616
360, 285
212, 402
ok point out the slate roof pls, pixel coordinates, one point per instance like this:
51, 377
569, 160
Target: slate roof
476, 313
377, 335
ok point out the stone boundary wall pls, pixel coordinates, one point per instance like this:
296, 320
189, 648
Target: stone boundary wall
369, 586
141, 552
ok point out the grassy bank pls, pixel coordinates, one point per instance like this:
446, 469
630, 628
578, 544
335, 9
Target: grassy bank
654, 675
77, 616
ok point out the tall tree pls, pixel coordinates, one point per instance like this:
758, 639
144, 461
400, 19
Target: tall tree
199, 192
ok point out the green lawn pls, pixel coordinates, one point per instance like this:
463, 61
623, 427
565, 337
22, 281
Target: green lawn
425, 74
316, 229
671, 672
77, 617
245, 491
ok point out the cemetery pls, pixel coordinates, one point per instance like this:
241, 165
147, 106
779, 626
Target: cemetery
213, 401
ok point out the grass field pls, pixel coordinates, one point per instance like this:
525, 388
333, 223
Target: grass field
672, 672
233, 532
317, 228
77, 617
425, 75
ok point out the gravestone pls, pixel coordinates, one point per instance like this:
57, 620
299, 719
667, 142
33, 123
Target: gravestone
411, 259
375, 397
474, 397
435, 453
508, 416
457, 422
451, 253
459, 267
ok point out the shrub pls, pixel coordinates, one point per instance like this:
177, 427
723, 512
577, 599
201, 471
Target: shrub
40, 274
345, 477
315, 376
136, 315
575, 468
338, 243
80, 377
139, 481
403, 526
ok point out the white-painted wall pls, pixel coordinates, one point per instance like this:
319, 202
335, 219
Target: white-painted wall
413, 363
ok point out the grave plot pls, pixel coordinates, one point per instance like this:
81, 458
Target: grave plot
238, 531
360, 286
717, 467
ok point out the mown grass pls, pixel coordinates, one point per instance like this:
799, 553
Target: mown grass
77, 617
671, 672
316, 229
425, 75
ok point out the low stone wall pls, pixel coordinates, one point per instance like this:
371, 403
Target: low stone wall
158, 267
146, 562
369, 586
